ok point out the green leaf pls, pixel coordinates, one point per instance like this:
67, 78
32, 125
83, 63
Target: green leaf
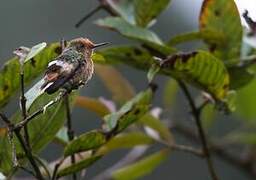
127, 140
152, 72
35, 50
124, 8
222, 17
200, 69
84, 142
140, 168
42, 129
62, 136
247, 138
132, 56
129, 112
119, 87
208, 115
239, 77
33, 93
208, 35
9, 74
92, 104
148, 10
170, 91
157, 125
78, 166
129, 30
246, 102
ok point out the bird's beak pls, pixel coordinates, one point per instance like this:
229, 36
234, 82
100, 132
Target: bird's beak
99, 45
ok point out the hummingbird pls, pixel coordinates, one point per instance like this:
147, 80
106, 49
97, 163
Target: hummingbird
72, 68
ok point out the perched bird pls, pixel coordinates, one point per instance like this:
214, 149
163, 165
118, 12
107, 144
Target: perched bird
72, 68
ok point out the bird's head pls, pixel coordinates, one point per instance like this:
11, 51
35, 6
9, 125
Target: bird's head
84, 45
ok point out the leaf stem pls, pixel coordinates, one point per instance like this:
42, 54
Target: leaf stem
196, 115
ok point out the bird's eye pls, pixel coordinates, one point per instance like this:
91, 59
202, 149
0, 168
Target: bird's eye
82, 46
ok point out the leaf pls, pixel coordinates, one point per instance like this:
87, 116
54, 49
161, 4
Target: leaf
84, 142
247, 138
208, 115
35, 50
2, 177
152, 72
92, 104
33, 93
246, 102
148, 10
129, 112
129, 30
170, 93
239, 77
78, 166
120, 87
222, 17
127, 140
62, 136
9, 74
156, 124
132, 56
97, 58
208, 35
140, 168
42, 129
124, 8
200, 69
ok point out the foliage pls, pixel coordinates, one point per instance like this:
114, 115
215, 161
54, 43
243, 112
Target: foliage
220, 74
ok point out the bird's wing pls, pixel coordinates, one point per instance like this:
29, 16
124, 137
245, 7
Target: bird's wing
57, 74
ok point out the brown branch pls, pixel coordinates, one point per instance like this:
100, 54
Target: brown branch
196, 115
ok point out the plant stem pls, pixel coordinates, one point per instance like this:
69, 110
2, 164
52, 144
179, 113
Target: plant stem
23, 106
24, 146
70, 130
88, 15
196, 115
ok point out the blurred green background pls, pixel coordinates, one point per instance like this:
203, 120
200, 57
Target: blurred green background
30, 22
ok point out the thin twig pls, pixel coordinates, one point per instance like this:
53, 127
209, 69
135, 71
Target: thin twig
233, 159
40, 111
196, 115
24, 146
88, 15
70, 130
187, 149
23, 101
56, 167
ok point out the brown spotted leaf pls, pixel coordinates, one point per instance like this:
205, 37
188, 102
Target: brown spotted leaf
222, 17
201, 69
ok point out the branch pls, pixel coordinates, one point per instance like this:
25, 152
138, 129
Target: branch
88, 15
40, 111
70, 130
219, 150
196, 115
24, 146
